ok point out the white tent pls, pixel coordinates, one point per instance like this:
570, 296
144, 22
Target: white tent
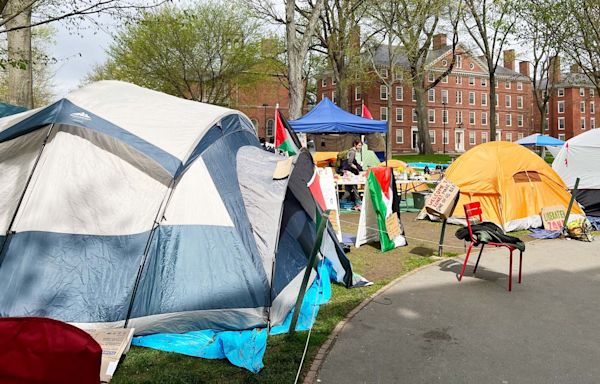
580, 158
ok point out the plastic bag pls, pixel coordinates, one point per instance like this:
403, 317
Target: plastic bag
580, 229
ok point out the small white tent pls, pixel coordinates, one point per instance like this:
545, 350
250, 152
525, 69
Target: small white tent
580, 158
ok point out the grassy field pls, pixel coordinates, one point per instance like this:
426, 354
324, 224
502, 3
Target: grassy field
435, 158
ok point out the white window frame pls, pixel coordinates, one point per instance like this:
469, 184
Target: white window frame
560, 106
431, 115
472, 117
445, 116
560, 92
592, 92
432, 136
471, 98
333, 96
383, 92
271, 128
444, 95
399, 116
507, 84
357, 93
472, 138
414, 116
519, 136
582, 123
324, 82
592, 123
458, 61
508, 120
519, 102
582, 106
459, 98
358, 111
414, 94
484, 137
430, 77
581, 91
384, 73
508, 101
471, 80
445, 80
459, 80
508, 136
401, 132
519, 120
498, 135
484, 119
431, 95
458, 117
401, 94
483, 82
592, 107
484, 99
519, 85
561, 119
383, 111
561, 136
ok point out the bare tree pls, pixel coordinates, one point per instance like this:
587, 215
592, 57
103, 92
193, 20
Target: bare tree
490, 23
299, 35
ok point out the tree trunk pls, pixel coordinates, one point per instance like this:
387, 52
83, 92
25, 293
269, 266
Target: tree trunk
20, 74
493, 121
543, 122
296, 85
389, 153
424, 144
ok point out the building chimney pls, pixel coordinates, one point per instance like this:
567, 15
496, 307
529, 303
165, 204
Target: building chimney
524, 68
439, 41
554, 70
575, 68
509, 59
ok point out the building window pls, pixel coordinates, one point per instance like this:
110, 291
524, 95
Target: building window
582, 92
561, 136
592, 92
547, 127
445, 80
498, 135
507, 101
399, 136
458, 97
508, 136
471, 80
483, 118
399, 115
445, 116
458, 61
431, 114
383, 113
458, 79
471, 117
399, 93
519, 136
269, 129
519, 86
561, 92
398, 73
520, 102
483, 82
414, 95
384, 73
484, 137
444, 96
561, 107
324, 82
254, 123
497, 98
592, 123
445, 137
414, 115
333, 97
430, 77
508, 120
520, 120
383, 92
445, 62
497, 119
459, 117
496, 83
582, 122
323, 96
592, 108
483, 99
357, 94
431, 95
472, 138
358, 111
507, 84
471, 98
561, 123
432, 136
582, 106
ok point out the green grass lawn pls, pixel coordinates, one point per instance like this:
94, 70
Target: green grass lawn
435, 158
283, 354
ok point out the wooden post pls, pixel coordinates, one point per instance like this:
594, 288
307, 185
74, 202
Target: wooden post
321, 226
573, 193
441, 244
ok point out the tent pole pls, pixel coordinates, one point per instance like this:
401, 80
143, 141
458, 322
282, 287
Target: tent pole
573, 193
9, 231
322, 224
441, 243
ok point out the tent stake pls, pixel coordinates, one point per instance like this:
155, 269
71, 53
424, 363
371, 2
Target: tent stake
573, 193
322, 224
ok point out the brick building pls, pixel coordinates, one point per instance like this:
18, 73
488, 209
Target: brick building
572, 105
259, 101
458, 105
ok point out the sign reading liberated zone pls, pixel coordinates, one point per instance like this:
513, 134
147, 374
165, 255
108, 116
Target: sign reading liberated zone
553, 217
442, 201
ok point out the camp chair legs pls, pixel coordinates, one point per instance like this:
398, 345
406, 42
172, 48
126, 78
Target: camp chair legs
462, 271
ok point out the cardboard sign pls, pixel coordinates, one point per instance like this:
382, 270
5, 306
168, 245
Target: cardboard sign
392, 226
330, 197
114, 342
283, 169
443, 199
553, 217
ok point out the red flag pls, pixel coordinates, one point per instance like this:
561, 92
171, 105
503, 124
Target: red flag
365, 112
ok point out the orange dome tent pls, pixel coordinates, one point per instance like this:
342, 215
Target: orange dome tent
511, 182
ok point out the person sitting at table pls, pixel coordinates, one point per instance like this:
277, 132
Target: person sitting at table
350, 164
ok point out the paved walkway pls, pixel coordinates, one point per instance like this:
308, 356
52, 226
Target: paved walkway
428, 328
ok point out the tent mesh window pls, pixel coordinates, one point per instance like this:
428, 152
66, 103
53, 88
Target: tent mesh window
527, 177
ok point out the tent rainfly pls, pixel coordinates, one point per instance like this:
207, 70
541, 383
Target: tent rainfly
125, 206
580, 157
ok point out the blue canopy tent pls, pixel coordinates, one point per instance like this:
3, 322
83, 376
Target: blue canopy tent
9, 109
327, 117
540, 141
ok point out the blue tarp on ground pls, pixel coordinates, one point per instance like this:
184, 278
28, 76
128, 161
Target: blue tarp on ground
327, 117
243, 348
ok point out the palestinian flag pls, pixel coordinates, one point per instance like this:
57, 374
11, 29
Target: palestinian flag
285, 138
380, 214
366, 113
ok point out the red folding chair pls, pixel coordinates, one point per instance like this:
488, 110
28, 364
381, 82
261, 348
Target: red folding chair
473, 216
